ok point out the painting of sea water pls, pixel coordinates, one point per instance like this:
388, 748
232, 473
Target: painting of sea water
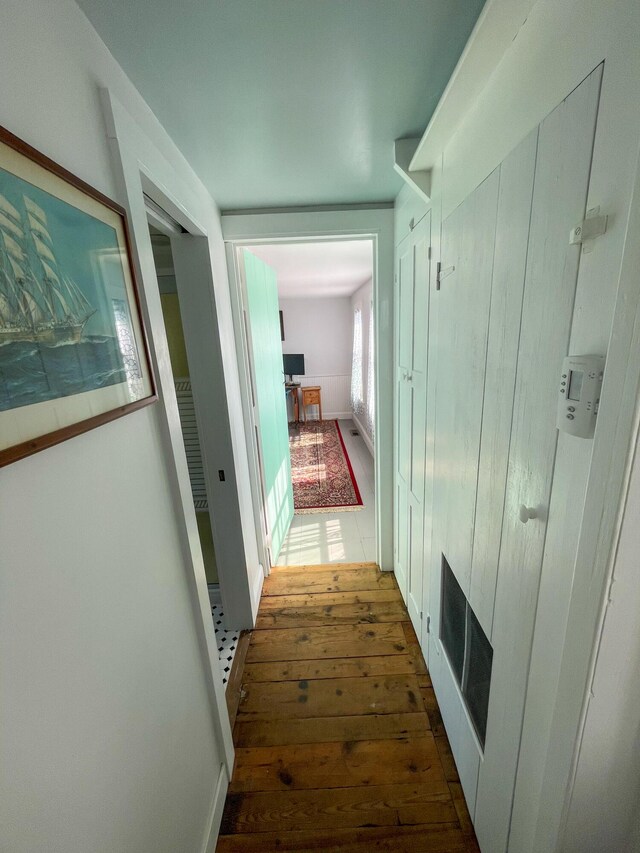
65, 327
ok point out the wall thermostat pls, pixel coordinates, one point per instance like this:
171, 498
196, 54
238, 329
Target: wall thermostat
579, 394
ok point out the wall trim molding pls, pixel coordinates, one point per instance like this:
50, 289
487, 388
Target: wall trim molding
217, 808
364, 434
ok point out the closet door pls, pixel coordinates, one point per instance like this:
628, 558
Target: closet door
563, 165
404, 346
504, 316
464, 304
411, 385
464, 307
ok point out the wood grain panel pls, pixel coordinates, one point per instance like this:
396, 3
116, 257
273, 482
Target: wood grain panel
425, 838
327, 580
331, 642
315, 599
330, 614
376, 665
340, 765
384, 805
413, 648
327, 729
334, 749
391, 694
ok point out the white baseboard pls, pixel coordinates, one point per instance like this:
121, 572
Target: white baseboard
336, 416
217, 807
256, 590
364, 435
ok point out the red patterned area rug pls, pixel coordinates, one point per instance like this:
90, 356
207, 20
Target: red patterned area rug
323, 479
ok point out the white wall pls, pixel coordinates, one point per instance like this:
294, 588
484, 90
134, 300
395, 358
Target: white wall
606, 793
362, 299
321, 329
110, 736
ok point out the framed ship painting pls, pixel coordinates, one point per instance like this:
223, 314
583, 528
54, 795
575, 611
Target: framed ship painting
73, 353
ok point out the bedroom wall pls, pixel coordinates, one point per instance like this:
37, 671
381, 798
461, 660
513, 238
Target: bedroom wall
110, 735
322, 329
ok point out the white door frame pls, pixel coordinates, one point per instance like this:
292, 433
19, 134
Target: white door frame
244, 353
140, 169
244, 350
366, 222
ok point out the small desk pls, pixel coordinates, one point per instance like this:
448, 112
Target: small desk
292, 391
311, 396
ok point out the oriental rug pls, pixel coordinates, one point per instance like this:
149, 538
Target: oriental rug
323, 479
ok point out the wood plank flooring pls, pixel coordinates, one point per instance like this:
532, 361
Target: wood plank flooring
339, 741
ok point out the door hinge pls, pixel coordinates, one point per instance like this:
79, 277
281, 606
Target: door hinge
429, 253
428, 624
442, 273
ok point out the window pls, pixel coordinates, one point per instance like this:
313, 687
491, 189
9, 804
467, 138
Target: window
371, 389
357, 387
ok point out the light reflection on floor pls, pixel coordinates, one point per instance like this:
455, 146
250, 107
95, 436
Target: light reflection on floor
337, 537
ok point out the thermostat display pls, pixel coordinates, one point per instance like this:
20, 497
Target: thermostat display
579, 394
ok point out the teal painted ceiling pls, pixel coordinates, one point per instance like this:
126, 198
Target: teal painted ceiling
288, 102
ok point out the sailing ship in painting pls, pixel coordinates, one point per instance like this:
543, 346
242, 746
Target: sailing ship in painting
39, 302
65, 327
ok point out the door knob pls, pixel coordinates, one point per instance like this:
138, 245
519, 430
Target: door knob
527, 512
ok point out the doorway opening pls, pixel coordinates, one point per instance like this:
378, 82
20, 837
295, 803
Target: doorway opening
162, 231
318, 369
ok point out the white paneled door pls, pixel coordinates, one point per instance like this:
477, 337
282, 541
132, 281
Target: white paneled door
563, 166
505, 310
412, 302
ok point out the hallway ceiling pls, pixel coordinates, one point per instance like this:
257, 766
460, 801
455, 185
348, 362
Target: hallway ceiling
288, 102
318, 269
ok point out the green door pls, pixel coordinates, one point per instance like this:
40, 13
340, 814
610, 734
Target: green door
270, 400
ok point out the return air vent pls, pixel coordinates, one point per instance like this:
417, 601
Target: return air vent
468, 650
354, 432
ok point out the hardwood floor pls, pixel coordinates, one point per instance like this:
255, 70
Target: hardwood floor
339, 742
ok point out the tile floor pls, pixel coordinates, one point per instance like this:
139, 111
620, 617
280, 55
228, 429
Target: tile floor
337, 537
227, 640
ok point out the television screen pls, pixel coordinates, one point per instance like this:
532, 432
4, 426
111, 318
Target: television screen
293, 364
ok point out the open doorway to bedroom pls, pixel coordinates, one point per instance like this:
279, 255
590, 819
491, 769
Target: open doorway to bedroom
325, 383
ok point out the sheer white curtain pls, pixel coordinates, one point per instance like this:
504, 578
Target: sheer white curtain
371, 387
357, 379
